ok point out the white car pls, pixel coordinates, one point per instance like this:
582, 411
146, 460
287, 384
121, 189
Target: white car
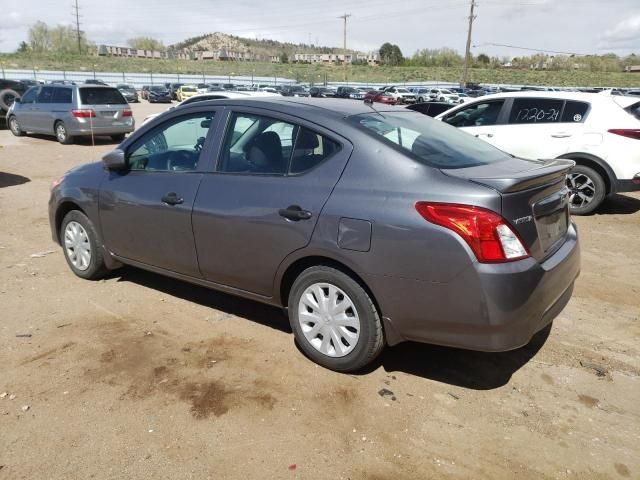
214, 96
601, 133
401, 94
443, 95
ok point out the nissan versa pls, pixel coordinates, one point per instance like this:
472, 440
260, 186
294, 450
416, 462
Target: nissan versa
370, 225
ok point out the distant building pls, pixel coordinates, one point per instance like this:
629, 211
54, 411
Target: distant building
632, 69
372, 58
220, 55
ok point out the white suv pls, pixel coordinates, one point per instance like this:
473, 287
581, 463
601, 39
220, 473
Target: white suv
443, 95
601, 133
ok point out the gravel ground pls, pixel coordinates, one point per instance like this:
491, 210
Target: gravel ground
140, 376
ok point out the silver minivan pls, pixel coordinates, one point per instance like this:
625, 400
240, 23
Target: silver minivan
68, 111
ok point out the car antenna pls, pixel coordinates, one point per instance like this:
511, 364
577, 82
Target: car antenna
369, 103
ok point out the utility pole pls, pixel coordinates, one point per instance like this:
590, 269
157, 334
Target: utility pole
77, 15
467, 56
344, 44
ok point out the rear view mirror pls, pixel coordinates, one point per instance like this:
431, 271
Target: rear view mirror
114, 160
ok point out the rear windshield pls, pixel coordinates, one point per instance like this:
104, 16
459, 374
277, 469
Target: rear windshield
101, 96
634, 110
431, 142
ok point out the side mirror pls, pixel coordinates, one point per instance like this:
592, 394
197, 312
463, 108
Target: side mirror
114, 160
17, 100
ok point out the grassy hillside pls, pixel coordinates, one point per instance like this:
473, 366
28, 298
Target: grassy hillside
315, 73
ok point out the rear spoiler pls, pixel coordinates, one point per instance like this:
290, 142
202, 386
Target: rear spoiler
546, 173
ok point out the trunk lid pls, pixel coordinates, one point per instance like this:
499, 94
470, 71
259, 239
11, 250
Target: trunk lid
535, 198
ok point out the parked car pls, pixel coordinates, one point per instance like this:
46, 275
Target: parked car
144, 92
9, 91
186, 91
294, 91
421, 94
158, 94
202, 87
129, 92
337, 227
95, 81
402, 95
323, 92
430, 109
376, 96
69, 111
173, 90
598, 132
349, 92
443, 95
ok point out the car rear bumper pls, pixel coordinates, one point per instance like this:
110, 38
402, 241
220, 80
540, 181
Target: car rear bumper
487, 307
628, 185
81, 130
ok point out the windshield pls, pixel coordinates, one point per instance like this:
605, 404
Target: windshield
158, 88
188, 89
101, 96
125, 87
431, 142
446, 92
403, 90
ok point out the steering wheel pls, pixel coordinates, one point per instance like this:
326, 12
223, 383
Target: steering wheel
181, 160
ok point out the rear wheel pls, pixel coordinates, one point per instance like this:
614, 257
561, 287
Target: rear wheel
14, 126
62, 135
80, 245
587, 190
334, 320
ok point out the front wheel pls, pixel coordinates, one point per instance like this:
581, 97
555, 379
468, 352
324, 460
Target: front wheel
80, 245
334, 320
586, 190
118, 138
14, 126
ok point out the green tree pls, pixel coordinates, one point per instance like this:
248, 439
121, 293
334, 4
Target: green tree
23, 47
483, 59
39, 38
146, 43
284, 58
390, 54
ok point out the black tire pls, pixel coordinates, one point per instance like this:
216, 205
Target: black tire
7, 97
96, 268
371, 336
62, 134
592, 185
14, 126
118, 138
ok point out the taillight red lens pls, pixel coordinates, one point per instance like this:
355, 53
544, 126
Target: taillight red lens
127, 113
487, 233
83, 113
627, 132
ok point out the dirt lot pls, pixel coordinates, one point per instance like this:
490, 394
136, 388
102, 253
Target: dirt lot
139, 376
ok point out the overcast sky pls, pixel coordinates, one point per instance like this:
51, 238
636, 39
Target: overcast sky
580, 26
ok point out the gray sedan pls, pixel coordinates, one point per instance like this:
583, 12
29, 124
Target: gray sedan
369, 226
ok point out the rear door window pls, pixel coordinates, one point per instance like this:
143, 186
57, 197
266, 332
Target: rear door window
477, 115
634, 110
62, 95
101, 96
535, 110
574, 112
311, 149
46, 95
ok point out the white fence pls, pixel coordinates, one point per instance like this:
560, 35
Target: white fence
140, 79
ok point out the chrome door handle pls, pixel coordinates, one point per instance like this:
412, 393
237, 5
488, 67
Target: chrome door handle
560, 135
488, 135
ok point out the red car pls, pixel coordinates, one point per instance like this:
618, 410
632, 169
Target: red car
379, 97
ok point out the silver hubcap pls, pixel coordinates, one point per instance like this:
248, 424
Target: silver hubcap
61, 132
77, 245
582, 190
14, 126
329, 319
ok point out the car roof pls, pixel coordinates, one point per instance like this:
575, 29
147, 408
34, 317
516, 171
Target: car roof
323, 107
578, 96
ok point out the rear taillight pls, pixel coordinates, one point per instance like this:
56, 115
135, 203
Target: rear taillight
487, 233
127, 113
83, 113
626, 132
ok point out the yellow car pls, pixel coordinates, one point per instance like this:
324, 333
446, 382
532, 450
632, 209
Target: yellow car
185, 92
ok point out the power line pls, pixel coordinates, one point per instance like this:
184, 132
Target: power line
467, 56
541, 50
77, 15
